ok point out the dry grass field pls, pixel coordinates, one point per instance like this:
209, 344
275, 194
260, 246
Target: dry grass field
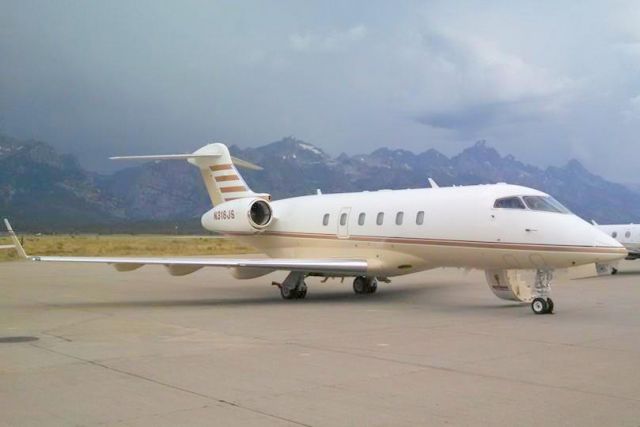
131, 245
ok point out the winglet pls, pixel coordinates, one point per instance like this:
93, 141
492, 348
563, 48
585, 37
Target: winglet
433, 183
593, 221
14, 239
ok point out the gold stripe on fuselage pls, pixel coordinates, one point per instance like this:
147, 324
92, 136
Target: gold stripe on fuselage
447, 242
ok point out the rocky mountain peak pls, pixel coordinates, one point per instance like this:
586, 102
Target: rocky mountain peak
480, 151
288, 148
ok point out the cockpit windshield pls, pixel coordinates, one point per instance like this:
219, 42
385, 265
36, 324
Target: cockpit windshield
534, 203
544, 203
509, 203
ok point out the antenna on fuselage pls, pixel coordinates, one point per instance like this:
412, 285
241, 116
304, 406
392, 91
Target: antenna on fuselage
433, 184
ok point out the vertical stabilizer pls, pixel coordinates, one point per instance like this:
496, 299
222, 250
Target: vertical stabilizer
222, 179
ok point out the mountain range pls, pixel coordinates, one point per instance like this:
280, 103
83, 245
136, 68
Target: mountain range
43, 190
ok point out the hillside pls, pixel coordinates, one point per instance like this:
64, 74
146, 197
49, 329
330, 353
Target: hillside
43, 190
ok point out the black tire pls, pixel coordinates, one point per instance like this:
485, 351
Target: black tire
539, 306
360, 285
614, 271
372, 286
301, 292
549, 305
287, 293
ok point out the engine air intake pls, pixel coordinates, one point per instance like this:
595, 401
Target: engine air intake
260, 213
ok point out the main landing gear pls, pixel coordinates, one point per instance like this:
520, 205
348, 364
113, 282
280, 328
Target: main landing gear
365, 285
293, 286
542, 304
297, 293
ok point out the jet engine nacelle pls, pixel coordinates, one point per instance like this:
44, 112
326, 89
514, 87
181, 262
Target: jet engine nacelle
249, 215
512, 285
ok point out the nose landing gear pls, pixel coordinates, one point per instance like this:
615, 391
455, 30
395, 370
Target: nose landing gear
542, 306
542, 303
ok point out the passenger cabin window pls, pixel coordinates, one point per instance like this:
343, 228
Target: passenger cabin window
343, 219
380, 218
614, 234
325, 219
399, 218
544, 203
420, 217
509, 203
361, 218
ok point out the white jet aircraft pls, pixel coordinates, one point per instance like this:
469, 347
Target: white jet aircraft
628, 235
518, 235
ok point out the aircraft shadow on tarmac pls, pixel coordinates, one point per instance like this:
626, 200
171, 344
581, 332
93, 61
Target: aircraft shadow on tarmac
432, 297
628, 273
407, 294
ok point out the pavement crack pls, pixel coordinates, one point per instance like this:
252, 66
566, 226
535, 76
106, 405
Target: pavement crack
178, 388
466, 372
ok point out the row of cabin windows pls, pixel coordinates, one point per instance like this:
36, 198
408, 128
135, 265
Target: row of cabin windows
615, 234
379, 218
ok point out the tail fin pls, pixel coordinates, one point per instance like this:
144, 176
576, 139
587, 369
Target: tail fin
218, 171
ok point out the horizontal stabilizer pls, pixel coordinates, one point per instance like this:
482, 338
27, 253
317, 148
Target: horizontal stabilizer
236, 161
165, 157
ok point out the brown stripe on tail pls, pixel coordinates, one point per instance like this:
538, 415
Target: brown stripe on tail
234, 189
223, 178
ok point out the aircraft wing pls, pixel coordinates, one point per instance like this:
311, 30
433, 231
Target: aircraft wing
184, 265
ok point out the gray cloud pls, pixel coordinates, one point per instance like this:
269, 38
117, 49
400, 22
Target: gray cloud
545, 82
471, 119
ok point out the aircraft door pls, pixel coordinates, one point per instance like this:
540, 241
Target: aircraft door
343, 223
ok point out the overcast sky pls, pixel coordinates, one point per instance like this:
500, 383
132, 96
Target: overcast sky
545, 81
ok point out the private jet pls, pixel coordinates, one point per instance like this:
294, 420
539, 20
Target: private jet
517, 235
628, 235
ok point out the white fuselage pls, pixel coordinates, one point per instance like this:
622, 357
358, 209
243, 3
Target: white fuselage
460, 227
627, 234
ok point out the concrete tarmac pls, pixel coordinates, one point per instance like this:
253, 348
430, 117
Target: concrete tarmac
435, 348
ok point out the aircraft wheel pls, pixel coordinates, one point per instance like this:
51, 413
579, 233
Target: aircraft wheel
614, 271
539, 306
301, 291
287, 293
372, 286
549, 305
360, 285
